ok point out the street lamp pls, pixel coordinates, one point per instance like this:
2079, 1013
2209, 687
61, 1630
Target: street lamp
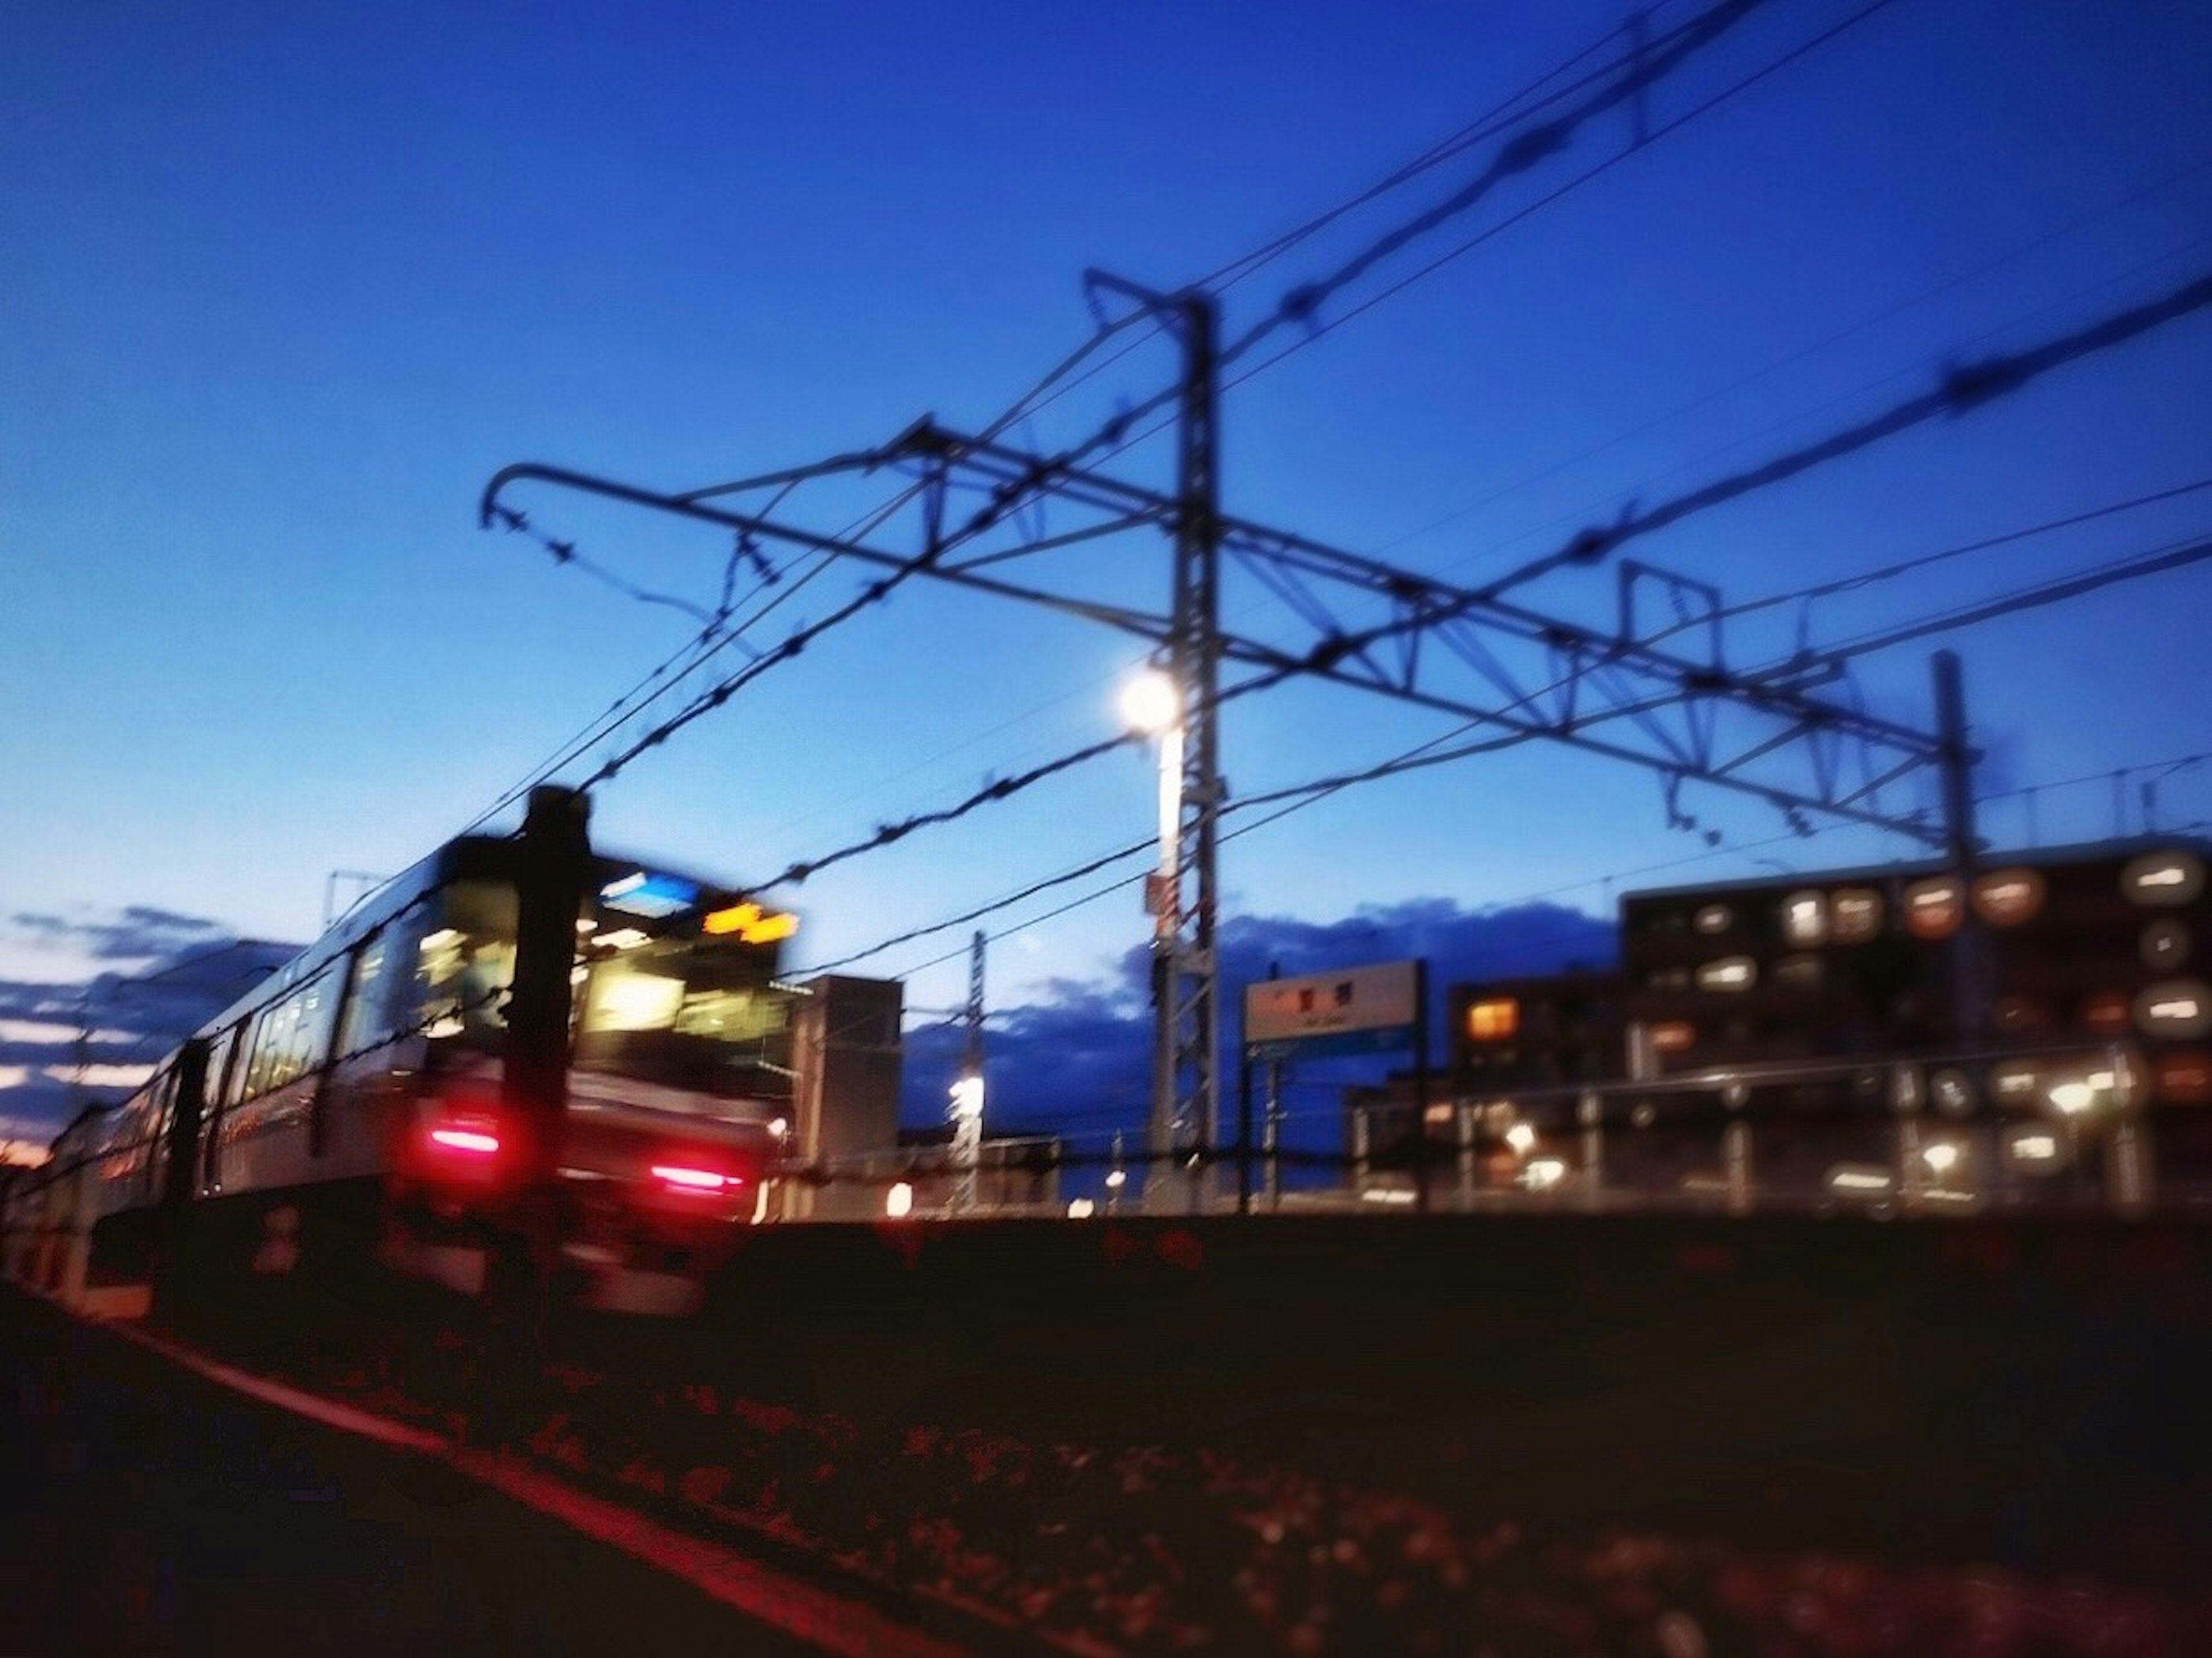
967, 1140
1152, 704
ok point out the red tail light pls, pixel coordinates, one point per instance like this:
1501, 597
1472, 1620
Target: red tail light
471, 1142
462, 1134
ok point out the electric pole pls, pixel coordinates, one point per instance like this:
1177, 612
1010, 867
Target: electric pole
1185, 1120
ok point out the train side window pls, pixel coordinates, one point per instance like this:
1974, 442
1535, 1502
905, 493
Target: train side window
293, 1036
221, 1068
366, 1023
317, 1002
157, 1130
270, 1032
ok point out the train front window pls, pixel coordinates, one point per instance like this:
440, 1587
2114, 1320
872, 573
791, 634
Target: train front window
666, 989
696, 1013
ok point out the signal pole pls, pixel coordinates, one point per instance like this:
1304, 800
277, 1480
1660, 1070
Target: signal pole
1186, 1109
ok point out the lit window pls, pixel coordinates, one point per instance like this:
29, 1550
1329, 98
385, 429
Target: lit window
2108, 1013
2015, 1082
633, 1001
1953, 1092
1713, 918
1673, 1036
1730, 973
1855, 916
1494, 1021
1798, 972
2175, 1007
2007, 897
1932, 908
1805, 918
2166, 946
2162, 879
2184, 1078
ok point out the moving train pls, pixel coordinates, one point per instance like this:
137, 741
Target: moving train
518, 1044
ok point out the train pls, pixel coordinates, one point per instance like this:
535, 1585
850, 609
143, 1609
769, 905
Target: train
519, 1044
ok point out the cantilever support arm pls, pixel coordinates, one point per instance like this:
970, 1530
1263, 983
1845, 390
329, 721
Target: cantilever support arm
1152, 629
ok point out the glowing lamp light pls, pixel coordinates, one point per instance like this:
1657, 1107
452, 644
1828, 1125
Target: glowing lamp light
466, 1139
1713, 918
1543, 1172
968, 1096
1081, 1209
752, 924
779, 1126
1149, 703
1117, 1178
898, 1202
1522, 1138
1942, 1158
693, 1180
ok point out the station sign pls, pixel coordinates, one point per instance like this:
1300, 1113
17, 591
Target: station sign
1357, 1010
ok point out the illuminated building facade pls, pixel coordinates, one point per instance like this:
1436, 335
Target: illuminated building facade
2036, 1029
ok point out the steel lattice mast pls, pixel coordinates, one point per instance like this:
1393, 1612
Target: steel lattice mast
1656, 688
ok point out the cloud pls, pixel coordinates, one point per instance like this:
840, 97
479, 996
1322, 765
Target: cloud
139, 932
64, 1044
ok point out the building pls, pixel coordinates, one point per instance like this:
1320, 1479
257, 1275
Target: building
2036, 1028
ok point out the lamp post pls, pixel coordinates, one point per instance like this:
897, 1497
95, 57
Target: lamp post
1152, 704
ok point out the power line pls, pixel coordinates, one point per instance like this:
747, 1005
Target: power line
1587, 508
1485, 125
1907, 567
1803, 353
2171, 557
1300, 305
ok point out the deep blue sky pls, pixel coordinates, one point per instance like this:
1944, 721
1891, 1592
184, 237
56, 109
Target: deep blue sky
280, 288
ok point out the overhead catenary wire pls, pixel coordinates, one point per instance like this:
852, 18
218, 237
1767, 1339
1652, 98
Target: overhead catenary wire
1733, 849
1300, 306
1836, 337
1434, 752
1652, 61
714, 698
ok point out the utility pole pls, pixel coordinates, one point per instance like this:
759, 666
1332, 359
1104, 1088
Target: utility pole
552, 879
1186, 1109
967, 1092
553, 871
1955, 759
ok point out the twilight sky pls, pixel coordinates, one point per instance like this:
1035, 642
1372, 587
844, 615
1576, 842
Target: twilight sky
280, 287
